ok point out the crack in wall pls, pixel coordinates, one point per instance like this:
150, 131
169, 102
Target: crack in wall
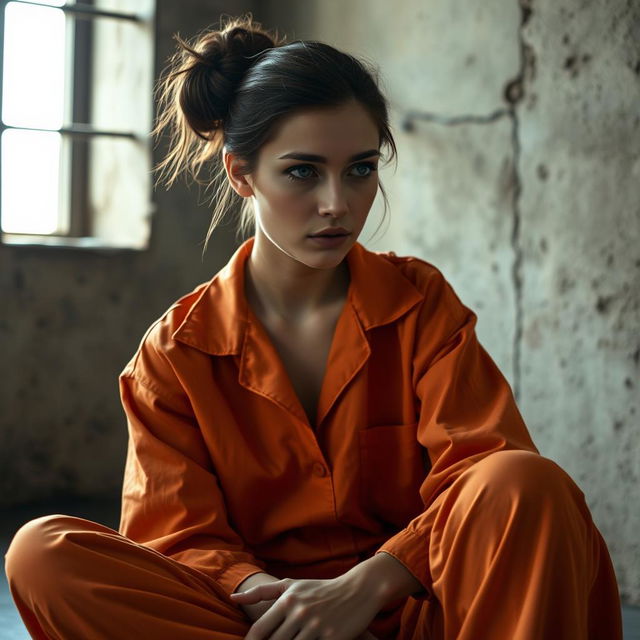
516, 267
514, 94
411, 116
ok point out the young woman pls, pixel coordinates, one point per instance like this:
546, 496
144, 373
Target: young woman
319, 446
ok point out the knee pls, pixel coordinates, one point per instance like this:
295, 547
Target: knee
525, 474
35, 549
514, 492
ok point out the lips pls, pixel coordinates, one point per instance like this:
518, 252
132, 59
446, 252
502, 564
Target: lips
330, 233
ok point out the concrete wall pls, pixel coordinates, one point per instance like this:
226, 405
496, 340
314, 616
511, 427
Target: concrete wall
518, 130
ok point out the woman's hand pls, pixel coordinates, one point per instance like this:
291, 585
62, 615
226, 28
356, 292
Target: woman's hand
255, 611
340, 608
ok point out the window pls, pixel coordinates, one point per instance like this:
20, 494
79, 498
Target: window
76, 109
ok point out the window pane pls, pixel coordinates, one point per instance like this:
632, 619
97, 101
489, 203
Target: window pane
137, 7
30, 181
125, 82
34, 64
120, 216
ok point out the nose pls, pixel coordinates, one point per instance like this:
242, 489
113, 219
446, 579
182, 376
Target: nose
333, 199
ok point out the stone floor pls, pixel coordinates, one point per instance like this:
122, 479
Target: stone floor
108, 513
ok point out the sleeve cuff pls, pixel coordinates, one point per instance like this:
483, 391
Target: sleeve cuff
233, 575
410, 549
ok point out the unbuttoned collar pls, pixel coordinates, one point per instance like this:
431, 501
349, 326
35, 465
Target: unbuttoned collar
217, 320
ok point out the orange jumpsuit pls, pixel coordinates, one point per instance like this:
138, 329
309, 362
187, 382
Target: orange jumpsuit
418, 450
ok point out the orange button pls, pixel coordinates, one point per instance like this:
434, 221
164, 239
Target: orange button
319, 469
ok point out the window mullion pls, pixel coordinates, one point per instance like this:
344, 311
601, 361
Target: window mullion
87, 11
80, 216
80, 131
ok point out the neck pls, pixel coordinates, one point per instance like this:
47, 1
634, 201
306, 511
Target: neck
277, 284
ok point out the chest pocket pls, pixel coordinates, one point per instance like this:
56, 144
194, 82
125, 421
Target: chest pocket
393, 465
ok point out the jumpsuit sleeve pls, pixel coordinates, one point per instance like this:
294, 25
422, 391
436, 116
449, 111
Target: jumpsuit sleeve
466, 411
171, 498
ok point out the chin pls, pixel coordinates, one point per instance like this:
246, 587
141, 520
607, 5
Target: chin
322, 260
325, 258
316, 258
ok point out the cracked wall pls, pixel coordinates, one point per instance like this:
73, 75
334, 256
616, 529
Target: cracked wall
518, 133
579, 125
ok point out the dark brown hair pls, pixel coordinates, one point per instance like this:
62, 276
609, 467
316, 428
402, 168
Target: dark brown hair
230, 86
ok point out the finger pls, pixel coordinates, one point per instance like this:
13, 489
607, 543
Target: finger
259, 593
266, 625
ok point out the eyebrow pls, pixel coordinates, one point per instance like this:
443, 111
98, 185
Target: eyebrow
310, 157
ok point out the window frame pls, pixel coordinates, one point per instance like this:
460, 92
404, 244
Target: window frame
75, 133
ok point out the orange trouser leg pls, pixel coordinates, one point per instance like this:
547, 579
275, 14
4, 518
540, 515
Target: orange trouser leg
76, 579
515, 555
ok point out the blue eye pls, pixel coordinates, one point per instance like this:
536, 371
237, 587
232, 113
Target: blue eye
300, 167
304, 168
366, 165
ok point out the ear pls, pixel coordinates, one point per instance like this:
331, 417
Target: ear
239, 182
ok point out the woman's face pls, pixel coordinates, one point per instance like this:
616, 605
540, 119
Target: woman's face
317, 175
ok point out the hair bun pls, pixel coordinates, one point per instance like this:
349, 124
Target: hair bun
214, 67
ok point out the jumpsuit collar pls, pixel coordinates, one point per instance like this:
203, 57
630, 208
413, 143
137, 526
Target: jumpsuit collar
220, 322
